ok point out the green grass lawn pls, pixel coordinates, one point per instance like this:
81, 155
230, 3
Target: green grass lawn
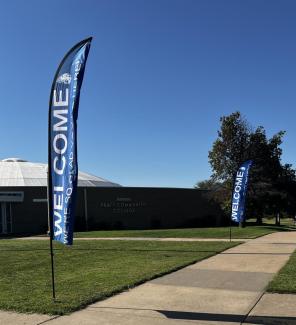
250, 231
88, 271
285, 280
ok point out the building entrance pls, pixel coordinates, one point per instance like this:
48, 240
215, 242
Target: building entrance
5, 218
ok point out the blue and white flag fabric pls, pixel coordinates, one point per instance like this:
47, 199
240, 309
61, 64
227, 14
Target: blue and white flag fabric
62, 142
240, 191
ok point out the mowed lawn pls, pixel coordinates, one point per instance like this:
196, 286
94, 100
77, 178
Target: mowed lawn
285, 280
88, 271
217, 232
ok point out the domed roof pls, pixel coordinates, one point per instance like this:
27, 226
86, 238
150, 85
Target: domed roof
19, 172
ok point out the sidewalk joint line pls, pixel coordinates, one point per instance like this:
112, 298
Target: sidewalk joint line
48, 320
252, 308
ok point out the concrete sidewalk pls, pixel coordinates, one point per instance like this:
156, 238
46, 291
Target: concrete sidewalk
225, 289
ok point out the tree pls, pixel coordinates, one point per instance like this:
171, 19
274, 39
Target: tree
219, 193
229, 149
271, 186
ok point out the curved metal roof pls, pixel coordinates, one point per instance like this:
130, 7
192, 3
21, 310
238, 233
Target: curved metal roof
19, 172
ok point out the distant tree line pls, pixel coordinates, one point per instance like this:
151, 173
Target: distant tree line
272, 184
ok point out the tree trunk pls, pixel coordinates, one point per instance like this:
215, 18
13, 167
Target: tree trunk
278, 219
259, 220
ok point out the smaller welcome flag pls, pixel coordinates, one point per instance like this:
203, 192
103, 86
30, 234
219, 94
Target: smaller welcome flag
240, 191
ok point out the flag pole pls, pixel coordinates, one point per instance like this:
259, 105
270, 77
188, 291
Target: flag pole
52, 270
230, 228
50, 226
230, 214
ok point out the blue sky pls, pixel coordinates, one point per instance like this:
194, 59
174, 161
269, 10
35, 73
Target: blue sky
160, 74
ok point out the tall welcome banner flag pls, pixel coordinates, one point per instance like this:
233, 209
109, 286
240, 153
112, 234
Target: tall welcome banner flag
240, 191
62, 142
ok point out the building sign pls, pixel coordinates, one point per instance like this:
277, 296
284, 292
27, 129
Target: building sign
122, 205
11, 196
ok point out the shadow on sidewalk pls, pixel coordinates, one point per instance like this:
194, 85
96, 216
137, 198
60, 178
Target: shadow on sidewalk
211, 317
265, 320
202, 316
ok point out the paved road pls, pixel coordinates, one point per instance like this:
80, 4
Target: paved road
225, 289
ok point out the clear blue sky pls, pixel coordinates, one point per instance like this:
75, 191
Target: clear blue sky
160, 74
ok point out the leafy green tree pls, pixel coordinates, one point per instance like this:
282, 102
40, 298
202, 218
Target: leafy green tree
229, 149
